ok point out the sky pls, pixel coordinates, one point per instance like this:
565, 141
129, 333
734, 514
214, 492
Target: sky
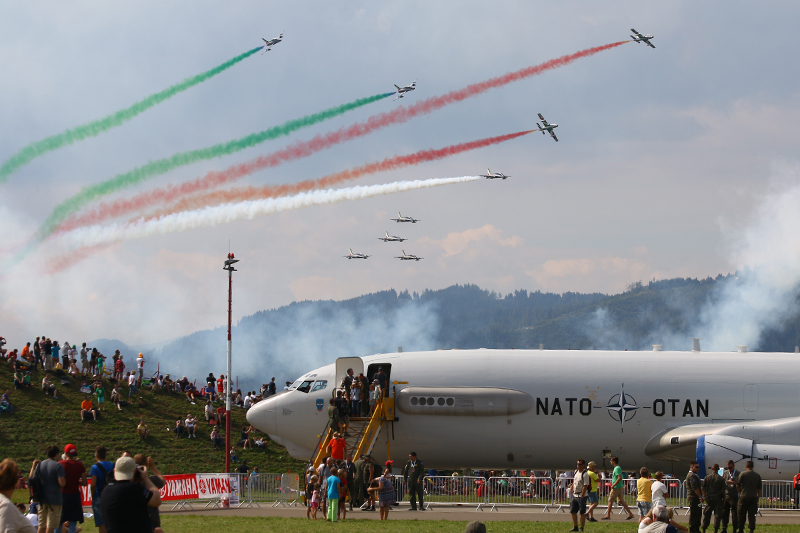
666, 161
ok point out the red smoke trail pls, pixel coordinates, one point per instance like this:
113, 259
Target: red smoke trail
240, 194
302, 149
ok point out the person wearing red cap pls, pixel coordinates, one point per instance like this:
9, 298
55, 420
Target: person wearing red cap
75, 474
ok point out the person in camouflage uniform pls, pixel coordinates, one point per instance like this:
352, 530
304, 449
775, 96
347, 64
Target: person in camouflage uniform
713, 492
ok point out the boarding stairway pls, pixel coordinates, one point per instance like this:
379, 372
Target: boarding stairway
362, 433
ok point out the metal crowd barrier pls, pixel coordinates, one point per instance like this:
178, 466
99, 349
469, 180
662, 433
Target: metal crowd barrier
263, 487
778, 495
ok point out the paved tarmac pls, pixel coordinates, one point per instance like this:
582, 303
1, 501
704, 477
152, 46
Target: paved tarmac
463, 513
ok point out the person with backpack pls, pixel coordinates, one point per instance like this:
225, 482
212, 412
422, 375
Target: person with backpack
46, 480
100, 474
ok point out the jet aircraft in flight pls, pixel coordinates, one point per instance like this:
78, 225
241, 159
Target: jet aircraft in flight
642, 38
392, 238
408, 257
401, 218
351, 255
494, 175
547, 127
268, 44
405, 89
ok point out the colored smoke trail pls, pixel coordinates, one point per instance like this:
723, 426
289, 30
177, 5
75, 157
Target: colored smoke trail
320, 142
96, 127
162, 166
211, 216
185, 203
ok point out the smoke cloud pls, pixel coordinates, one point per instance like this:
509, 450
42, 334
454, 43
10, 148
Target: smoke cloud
96, 127
212, 216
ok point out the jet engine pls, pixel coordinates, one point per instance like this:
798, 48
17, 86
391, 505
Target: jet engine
772, 461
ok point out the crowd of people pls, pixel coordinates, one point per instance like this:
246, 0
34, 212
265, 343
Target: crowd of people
125, 493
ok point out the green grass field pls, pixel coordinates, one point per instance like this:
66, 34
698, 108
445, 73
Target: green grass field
38, 421
195, 523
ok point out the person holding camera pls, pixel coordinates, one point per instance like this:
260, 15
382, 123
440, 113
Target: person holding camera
126, 500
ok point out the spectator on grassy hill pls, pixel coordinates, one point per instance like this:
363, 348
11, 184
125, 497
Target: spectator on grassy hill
216, 439
119, 367
26, 353
237, 399
65, 356
221, 386
190, 392
93, 361
48, 387
37, 353
87, 409
180, 428
5, 403
3, 351
132, 388
26, 380
140, 370
75, 477
221, 415
157, 479
169, 385
53, 478
11, 519
73, 369
12, 357
248, 401
209, 412
142, 431
99, 476
101, 364
84, 359
125, 502
55, 351
191, 423
245, 441
19, 378
116, 397
234, 459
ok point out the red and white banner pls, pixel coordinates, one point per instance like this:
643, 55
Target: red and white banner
211, 486
177, 487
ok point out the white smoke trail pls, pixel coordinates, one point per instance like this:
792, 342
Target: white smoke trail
223, 214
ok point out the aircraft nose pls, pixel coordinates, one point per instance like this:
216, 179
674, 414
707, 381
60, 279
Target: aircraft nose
262, 416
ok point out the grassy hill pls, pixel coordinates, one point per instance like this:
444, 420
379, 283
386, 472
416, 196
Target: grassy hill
38, 421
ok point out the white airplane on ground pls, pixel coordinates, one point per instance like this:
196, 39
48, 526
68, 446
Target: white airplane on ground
493, 175
401, 218
547, 127
642, 38
541, 410
392, 238
408, 257
268, 44
405, 89
351, 255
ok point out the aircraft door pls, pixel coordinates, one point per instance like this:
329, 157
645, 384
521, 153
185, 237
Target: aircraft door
342, 364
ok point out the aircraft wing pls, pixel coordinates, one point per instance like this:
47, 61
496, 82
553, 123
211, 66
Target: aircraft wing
636, 32
542, 119
648, 43
553, 135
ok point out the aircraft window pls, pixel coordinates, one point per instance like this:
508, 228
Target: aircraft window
414, 400
319, 385
450, 401
305, 386
440, 401
296, 384
430, 401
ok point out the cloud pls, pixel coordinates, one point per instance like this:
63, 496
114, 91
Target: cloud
590, 273
455, 243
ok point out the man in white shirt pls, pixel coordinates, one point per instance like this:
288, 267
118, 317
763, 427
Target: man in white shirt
247, 401
581, 483
659, 490
132, 384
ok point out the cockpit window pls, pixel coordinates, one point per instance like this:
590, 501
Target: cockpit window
305, 386
296, 384
319, 385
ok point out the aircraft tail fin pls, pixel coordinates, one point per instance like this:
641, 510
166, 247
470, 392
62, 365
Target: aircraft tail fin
398, 88
540, 128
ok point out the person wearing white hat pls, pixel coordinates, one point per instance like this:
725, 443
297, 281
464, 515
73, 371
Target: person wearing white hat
125, 501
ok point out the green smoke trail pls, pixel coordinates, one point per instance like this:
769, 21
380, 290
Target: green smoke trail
96, 127
162, 166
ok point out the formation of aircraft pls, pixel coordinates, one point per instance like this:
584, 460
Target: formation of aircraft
639, 38
351, 255
401, 218
391, 238
502, 407
408, 257
494, 175
547, 127
401, 91
268, 44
